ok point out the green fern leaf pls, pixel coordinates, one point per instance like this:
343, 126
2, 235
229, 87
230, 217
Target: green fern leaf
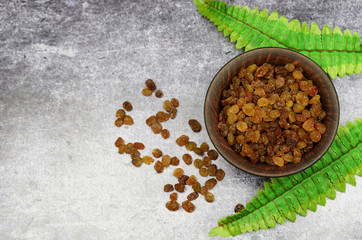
335, 52
285, 196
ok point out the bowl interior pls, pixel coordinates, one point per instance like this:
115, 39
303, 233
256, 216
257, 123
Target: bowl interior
276, 56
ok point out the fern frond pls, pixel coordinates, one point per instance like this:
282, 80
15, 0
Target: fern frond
286, 196
335, 52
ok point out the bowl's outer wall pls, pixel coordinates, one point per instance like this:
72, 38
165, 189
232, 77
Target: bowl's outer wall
276, 56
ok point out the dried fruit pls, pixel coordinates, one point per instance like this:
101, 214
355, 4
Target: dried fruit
159, 94
151, 120
150, 84
173, 196
137, 162
179, 187
198, 163
191, 180
119, 142
182, 140
308, 125
172, 205
156, 153
196, 187
156, 127
175, 161
278, 161
211, 170
173, 113
198, 151
146, 92
178, 172
168, 188
167, 105
118, 122
220, 174
128, 120
190, 145
166, 160
203, 172
203, 190
147, 160
138, 145
195, 125
206, 161
175, 103
209, 184
187, 158
209, 197
120, 113
213, 155
165, 133
162, 116
158, 167
204, 147
192, 196
239, 207
127, 106
183, 179
188, 206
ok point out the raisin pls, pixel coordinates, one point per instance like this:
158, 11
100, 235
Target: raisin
183, 179
209, 197
168, 188
146, 92
191, 180
137, 162
157, 153
239, 207
165, 133
187, 158
192, 196
120, 113
156, 127
308, 125
195, 125
196, 187
122, 149
297, 75
188, 206
179, 187
204, 147
211, 170
128, 120
135, 154
278, 161
162, 116
320, 127
129, 148
158, 167
172, 205
203, 172
182, 140
173, 196
198, 151
198, 163
315, 136
174, 102
167, 105
206, 161
220, 174
151, 120
159, 94
147, 160
213, 155
138, 145
249, 109
150, 84
289, 67
175, 161
119, 122
263, 102
190, 145
210, 184
312, 91
127, 106
203, 190
119, 142
166, 160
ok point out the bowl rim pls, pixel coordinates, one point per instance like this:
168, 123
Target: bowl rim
281, 174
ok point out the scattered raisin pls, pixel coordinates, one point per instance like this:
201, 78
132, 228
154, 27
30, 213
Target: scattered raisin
196, 187
191, 180
198, 151
175, 161
150, 84
178, 172
220, 174
239, 207
165, 133
213, 155
159, 94
183, 179
128, 120
195, 125
162, 116
146, 92
158, 167
120, 113
119, 122
192, 196
151, 120
166, 160
190, 145
182, 140
211, 170
119, 142
173, 196
175, 103
209, 197
167, 105
173, 113
179, 187
138, 145
168, 188
157, 153
203, 190
127, 106
206, 161
156, 127
172, 205
147, 160
137, 162
204, 147
203, 172
188, 206
210, 183
198, 163
187, 158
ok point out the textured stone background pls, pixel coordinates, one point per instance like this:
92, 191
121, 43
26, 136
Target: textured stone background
66, 67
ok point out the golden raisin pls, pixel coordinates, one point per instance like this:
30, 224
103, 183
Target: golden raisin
308, 125
175, 161
179, 187
175, 103
138, 145
158, 167
241, 126
159, 94
320, 127
212, 154
220, 174
315, 136
120, 113
195, 125
191, 180
198, 163
150, 84
204, 147
209, 197
187, 158
196, 187
203, 190
157, 153
165, 133
173, 196
167, 105
151, 120
166, 160
168, 188
182, 140
203, 172
118, 122
147, 160
192, 196
128, 120
156, 127
210, 183
188, 206
162, 116
119, 142
190, 145
278, 161
146, 92
172, 205
211, 170
178, 172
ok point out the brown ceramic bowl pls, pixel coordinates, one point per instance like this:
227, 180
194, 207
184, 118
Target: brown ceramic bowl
275, 56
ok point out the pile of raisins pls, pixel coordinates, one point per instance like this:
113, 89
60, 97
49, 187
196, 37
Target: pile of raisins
150, 87
271, 114
122, 117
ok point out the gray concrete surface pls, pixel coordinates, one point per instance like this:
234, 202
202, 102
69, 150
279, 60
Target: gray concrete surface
67, 66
